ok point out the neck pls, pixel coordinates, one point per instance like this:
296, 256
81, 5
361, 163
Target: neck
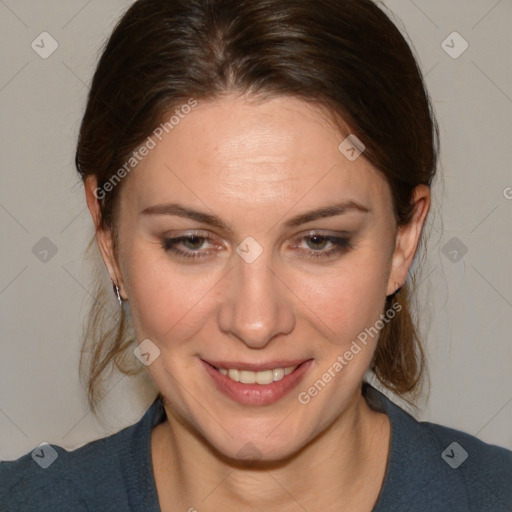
345, 465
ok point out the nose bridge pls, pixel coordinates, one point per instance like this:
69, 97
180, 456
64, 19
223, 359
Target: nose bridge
256, 307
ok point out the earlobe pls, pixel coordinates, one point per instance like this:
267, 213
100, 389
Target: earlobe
407, 239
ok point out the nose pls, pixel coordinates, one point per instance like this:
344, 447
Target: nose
256, 305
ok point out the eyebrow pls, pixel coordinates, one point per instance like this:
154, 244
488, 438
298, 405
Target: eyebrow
206, 218
327, 211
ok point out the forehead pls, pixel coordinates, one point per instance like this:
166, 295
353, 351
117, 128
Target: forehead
257, 152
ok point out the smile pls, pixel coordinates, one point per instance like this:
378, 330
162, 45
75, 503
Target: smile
263, 377
252, 384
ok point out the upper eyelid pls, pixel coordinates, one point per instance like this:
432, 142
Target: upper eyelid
188, 234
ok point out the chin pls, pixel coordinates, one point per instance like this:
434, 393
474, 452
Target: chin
259, 441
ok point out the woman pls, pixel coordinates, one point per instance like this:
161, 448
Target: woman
259, 177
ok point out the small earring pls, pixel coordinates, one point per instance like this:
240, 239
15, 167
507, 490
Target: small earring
118, 295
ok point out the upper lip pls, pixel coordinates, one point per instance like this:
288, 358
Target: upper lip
256, 367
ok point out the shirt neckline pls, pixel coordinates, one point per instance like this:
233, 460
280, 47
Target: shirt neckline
148, 495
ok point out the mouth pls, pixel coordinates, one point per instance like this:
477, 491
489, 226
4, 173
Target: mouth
252, 384
262, 377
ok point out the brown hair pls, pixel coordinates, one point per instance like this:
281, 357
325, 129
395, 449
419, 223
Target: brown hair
346, 56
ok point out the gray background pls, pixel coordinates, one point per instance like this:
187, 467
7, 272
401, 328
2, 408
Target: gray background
466, 297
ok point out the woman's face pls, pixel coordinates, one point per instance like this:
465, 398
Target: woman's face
259, 281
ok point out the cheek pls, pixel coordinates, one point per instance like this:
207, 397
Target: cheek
166, 299
345, 299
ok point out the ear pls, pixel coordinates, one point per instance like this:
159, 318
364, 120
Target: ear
407, 239
103, 236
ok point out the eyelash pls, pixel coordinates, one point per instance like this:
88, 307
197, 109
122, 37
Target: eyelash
340, 244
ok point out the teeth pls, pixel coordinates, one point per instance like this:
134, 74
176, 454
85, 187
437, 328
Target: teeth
247, 377
263, 377
234, 375
266, 377
278, 373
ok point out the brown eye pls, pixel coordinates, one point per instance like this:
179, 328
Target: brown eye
318, 242
193, 242
188, 246
324, 246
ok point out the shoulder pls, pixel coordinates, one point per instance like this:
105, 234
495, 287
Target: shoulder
444, 468
42, 477
101, 475
484, 471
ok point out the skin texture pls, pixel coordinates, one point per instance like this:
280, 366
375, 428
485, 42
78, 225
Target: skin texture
256, 165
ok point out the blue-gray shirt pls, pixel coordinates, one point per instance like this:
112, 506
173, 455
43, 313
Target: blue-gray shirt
430, 468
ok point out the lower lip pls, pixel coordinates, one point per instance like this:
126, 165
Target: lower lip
257, 394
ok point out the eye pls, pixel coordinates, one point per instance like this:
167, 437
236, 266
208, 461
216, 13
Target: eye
314, 245
323, 246
194, 245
